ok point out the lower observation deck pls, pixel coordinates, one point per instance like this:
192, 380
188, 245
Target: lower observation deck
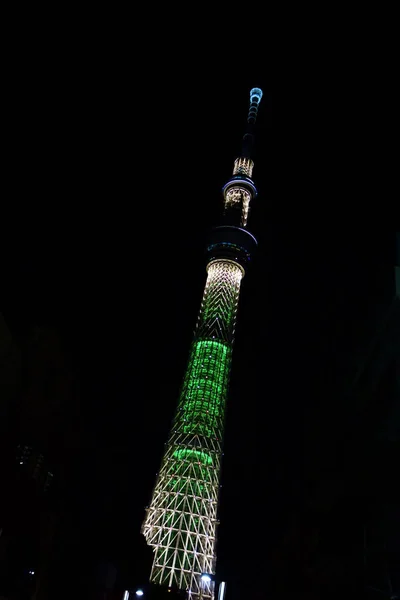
231, 243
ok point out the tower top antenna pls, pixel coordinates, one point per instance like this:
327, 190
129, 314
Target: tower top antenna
255, 99
248, 138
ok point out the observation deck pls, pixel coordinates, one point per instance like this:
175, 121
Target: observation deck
231, 243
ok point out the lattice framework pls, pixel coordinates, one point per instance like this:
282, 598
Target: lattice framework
181, 520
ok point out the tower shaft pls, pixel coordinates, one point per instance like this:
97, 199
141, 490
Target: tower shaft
182, 518
181, 521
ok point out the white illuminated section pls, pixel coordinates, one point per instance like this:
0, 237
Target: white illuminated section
243, 166
222, 588
126, 595
239, 193
226, 270
139, 593
239, 196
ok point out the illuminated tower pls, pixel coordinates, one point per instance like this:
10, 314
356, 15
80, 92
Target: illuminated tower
181, 520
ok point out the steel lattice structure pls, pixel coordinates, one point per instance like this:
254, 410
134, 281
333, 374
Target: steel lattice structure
182, 519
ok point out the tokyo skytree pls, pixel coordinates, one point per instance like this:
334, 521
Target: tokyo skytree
182, 518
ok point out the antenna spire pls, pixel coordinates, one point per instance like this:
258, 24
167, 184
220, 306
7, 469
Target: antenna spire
255, 99
248, 138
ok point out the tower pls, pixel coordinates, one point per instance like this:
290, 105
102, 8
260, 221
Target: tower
181, 521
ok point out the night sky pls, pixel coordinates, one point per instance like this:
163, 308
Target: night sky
117, 184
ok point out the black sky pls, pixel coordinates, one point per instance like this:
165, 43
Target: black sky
116, 182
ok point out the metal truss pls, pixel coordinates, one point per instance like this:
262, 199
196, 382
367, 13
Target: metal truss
217, 317
181, 520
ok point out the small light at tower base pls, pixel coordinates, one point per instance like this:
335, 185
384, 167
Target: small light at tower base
221, 593
139, 593
205, 577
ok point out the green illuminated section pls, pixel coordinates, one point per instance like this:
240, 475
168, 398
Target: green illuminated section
192, 464
195, 455
205, 389
190, 472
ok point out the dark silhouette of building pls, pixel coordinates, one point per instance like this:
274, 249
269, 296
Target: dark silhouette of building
43, 436
10, 387
379, 383
344, 539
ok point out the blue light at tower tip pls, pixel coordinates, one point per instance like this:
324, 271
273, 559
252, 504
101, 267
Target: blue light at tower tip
255, 95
